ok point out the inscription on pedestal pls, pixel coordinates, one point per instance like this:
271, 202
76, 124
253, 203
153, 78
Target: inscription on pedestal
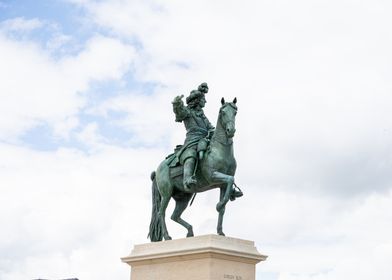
230, 276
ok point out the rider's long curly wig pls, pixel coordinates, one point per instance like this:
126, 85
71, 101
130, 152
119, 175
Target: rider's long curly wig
193, 103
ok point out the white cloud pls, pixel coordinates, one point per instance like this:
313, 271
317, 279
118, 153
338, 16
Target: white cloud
149, 117
362, 232
21, 24
64, 204
314, 237
63, 129
58, 41
90, 136
36, 88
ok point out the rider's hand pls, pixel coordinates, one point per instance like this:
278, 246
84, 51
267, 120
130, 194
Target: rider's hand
177, 99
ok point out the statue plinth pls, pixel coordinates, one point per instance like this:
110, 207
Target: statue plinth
196, 258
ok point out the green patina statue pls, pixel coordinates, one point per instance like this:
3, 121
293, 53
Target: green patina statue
205, 161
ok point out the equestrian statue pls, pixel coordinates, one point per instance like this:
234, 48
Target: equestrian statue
205, 161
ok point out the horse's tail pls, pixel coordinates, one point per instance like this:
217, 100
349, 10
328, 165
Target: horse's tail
155, 232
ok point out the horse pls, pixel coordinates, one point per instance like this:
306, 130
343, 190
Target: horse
215, 170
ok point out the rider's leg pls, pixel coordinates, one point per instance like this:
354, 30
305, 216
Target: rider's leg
189, 167
202, 147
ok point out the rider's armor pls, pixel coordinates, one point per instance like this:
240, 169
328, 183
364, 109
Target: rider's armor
198, 127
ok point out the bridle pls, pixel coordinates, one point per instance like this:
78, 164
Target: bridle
224, 140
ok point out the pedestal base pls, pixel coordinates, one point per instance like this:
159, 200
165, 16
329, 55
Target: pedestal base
204, 257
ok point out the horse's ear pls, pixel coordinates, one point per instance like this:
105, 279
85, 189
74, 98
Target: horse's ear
235, 100
223, 101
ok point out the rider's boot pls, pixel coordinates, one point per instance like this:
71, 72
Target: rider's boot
189, 179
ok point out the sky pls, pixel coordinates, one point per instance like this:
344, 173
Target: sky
86, 115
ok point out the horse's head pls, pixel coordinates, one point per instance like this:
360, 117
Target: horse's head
227, 116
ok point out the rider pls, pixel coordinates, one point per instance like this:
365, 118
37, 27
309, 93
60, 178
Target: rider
198, 128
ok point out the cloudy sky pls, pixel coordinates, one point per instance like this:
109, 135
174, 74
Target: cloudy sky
86, 89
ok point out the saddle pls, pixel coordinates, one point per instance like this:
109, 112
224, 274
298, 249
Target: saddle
176, 171
172, 160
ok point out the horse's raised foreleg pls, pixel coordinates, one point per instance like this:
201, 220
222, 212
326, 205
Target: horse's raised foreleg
223, 178
221, 213
181, 204
225, 192
162, 210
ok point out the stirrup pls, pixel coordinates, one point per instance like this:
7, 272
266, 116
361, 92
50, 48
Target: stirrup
235, 194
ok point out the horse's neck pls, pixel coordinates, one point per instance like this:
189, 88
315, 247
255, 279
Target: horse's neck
220, 139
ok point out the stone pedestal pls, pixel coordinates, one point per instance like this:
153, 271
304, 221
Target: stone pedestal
207, 257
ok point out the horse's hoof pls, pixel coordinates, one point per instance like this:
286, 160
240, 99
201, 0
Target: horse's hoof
236, 194
190, 233
221, 233
168, 238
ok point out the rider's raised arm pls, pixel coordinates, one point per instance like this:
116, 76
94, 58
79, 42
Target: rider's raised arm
179, 109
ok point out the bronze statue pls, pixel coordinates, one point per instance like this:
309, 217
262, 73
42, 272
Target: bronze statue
205, 161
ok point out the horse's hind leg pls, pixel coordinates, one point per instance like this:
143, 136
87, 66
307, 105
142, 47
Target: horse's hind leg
166, 190
162, 210
181, 204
